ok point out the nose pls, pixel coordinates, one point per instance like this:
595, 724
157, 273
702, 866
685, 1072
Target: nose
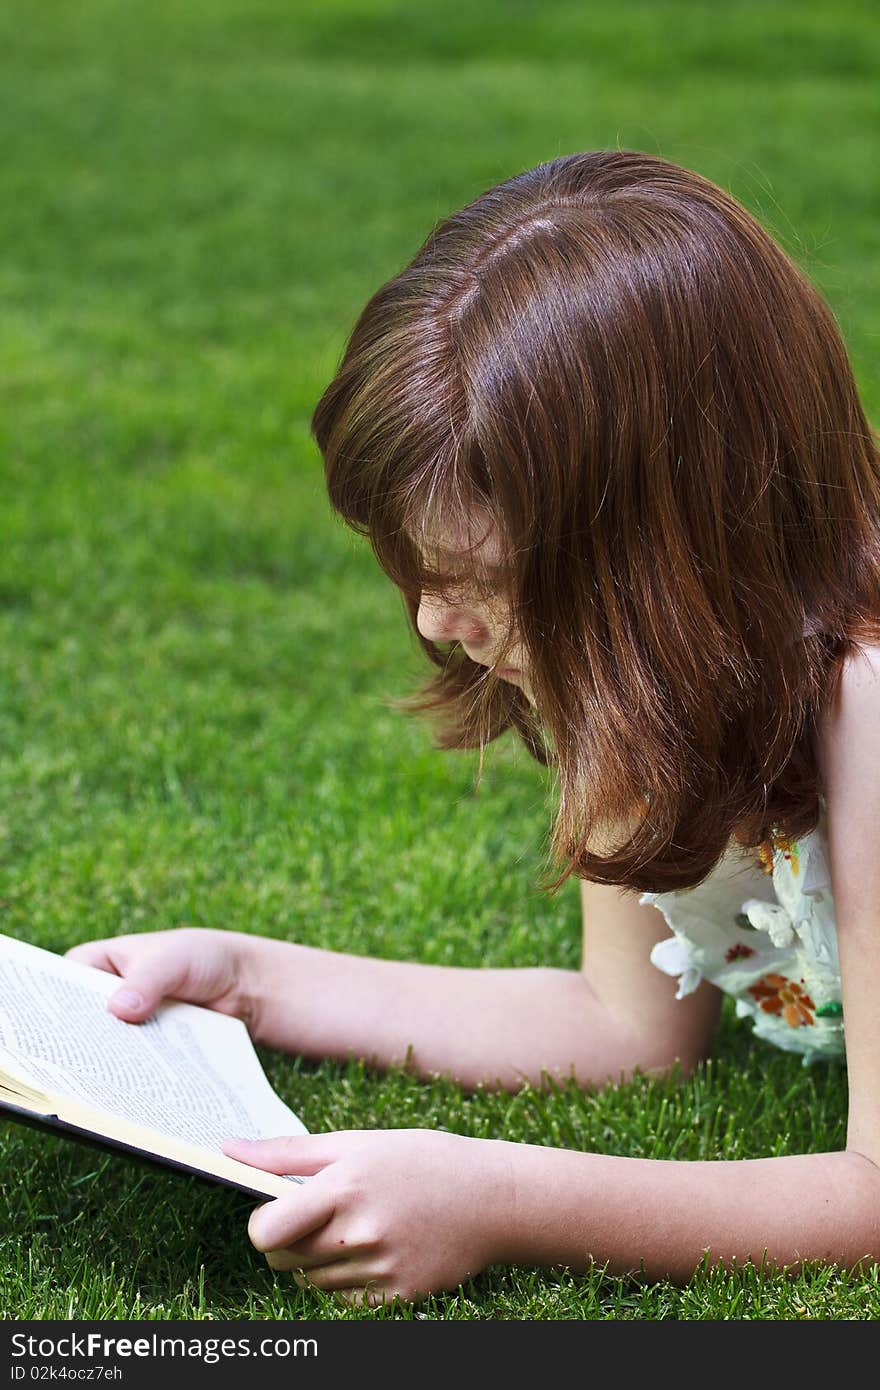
438, 620
435, 619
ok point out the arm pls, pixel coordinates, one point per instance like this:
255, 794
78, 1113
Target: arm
665, 1215
808, 1206
419, 1211
410, 1212
495, 1026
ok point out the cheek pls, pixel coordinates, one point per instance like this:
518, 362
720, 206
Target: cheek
501, 624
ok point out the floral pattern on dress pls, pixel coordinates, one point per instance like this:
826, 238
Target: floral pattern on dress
765, 853
777, 995
769, 940
738, 952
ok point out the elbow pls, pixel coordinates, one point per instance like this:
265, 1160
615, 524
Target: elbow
674, 1043
669, 1055
679, 1064
653, 1059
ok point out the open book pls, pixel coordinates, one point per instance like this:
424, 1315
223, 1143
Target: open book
169, 1090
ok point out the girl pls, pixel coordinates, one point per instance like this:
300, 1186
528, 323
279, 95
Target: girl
604, 435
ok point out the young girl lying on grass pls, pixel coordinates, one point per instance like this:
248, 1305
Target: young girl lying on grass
604, 435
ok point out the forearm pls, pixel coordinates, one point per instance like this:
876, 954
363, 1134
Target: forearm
563, 1207
482, 1026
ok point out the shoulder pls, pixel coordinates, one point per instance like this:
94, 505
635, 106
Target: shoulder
862, 665
848, 759
849, 726
848, 753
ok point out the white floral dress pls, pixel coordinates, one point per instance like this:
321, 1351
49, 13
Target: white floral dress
764, 931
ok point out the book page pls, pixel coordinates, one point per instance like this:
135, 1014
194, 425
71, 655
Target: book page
187, 1072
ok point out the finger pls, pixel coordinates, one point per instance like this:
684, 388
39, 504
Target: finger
146, 983
95, 953
361, 1298
286, 1220
292, 1258
350, 1296
347, 1275
323, 1245
302, 1154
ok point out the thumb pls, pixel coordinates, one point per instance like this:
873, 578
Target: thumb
141, 992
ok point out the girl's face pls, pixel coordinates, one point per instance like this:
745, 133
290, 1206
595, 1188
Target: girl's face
478, 622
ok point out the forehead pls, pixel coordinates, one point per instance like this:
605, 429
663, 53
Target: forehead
475, 539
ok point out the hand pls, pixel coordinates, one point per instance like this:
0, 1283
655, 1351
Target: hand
402, 1212
197, 964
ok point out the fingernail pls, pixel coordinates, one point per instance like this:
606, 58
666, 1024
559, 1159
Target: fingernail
129, 999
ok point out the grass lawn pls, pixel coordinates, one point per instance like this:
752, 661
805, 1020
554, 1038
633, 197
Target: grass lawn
197, 201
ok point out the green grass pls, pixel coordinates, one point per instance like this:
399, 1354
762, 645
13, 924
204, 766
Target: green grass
197, 200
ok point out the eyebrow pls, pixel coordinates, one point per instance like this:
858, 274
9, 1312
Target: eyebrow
451, 557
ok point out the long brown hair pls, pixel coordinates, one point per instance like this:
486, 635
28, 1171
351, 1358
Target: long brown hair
614, 362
